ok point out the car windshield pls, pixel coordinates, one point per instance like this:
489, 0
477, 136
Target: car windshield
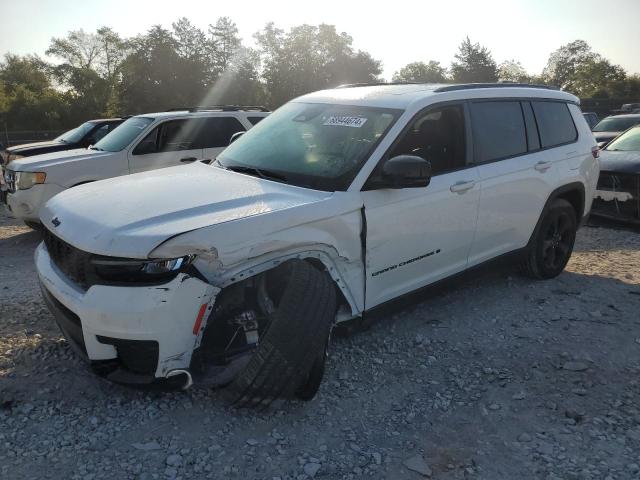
616, 124
77, 134
629, 141
122, 136
315, 145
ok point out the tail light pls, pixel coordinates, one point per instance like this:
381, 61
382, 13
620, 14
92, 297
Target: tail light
595, 152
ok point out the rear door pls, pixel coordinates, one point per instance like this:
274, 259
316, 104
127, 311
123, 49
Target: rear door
217, 133
517, 170
173, 142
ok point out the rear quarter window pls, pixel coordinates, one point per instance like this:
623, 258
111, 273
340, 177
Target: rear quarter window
255, 120
555, 123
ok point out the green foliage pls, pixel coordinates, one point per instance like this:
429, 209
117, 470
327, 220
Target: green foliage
513, 71
474, 63
577, 68
101, 74
431, 72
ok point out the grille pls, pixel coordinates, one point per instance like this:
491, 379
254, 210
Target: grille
615, 207
72, 262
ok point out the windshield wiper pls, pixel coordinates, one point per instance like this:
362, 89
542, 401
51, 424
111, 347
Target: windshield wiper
96, 148
257, 172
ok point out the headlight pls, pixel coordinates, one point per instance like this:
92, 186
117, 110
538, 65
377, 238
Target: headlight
26, 180
139, 271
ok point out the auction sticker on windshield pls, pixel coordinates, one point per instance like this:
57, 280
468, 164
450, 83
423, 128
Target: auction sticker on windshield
343, 121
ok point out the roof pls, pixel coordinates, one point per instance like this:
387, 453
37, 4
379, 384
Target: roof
199, 113
100, 120
625, 115
404, 95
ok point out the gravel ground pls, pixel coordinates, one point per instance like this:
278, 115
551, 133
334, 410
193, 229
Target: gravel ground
493, 377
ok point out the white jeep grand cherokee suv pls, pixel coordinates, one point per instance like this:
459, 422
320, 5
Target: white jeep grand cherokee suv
338, 202
143, 142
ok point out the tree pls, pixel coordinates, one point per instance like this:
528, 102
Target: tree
27, 99
513, 71
421, 72
577, 68
309, 58
224, 42
474, 63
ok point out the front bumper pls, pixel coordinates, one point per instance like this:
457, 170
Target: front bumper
135, 335
26, 204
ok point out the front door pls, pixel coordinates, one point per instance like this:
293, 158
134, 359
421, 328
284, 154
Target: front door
174, 142
416, 236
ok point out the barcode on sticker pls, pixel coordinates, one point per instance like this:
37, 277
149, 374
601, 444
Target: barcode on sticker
344, 121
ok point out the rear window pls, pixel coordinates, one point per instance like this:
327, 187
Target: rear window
555, 124
498, 130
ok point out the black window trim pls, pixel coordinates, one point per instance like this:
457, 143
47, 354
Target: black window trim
573, 122
527, 99
369, 184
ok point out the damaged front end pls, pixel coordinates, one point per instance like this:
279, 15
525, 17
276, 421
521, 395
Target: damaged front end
617, 197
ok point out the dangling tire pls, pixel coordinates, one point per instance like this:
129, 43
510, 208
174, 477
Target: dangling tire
552, 243
291, 354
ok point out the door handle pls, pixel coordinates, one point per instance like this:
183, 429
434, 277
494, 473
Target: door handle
542, 166
188, 159
461, 187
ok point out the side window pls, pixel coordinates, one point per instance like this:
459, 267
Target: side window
99, 133
177, 135
254, 120
149, 144
218, 131
498, 130
437, 136
555, 123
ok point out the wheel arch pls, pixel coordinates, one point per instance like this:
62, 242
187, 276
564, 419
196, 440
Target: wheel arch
574, 193
321, 257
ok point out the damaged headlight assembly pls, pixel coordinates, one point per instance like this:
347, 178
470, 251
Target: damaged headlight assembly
124, 270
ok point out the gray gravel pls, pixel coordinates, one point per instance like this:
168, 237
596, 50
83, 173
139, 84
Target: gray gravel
494, 377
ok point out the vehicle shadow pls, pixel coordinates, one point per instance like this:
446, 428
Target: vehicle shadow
20, 241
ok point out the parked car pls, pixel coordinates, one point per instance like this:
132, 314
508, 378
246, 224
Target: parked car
630, 107
591, 118
610, 127
618, 193
340, 201
144, 142
80, 137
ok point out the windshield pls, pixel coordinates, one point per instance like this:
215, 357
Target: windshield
77, 134
319, 146
122, 136
613, 124
629, 141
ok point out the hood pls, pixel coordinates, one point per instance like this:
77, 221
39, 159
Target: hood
27, 147
36, 162
605, 136
621, 162
129, 216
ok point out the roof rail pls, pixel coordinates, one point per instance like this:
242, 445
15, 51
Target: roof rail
374, 84
221, 108
471, 86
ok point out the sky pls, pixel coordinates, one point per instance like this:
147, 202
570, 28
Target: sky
396, 33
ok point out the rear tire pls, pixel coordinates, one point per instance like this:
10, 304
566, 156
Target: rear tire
552, 242
291, 354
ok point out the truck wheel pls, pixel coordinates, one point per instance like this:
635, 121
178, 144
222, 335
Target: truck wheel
553, 241
291, 353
